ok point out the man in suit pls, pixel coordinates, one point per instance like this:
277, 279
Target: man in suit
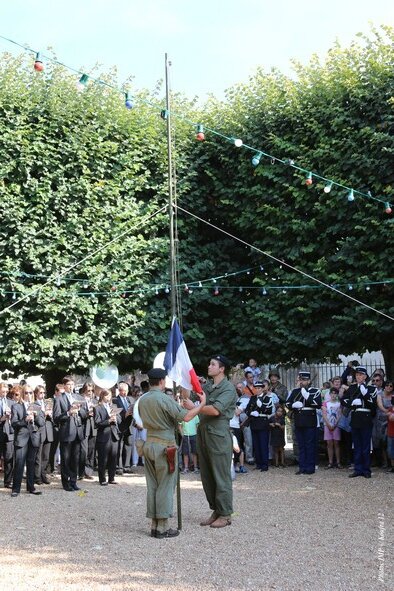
59, 390
68, 414
46, 438
125, 445
6, 435
88, 444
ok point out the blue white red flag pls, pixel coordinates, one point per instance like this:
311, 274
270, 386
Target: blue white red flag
177, 361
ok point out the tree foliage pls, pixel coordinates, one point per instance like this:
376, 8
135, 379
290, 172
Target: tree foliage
336, 119
78, 169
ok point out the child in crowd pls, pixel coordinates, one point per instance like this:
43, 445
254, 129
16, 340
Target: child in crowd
332, 434
277, 431
189, 444
236, 450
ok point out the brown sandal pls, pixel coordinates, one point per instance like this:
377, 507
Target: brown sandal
221, 521
210, 519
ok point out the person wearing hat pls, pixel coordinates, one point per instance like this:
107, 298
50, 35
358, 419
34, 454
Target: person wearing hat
214, 443
161, 415
276, 387
260, 409
361, 399
304, 402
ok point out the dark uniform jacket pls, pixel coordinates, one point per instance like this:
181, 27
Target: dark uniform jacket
267, 408
360, 416
25, 431
70, 427
105, 430
6, 430
90, 429
126, 425
46, 431
305, 416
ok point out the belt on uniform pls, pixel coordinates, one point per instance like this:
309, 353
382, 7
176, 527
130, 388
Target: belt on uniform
154, 439
362, 410
307, 408
266, 416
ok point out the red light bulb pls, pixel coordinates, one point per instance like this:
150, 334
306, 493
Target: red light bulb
38, 65
200, 133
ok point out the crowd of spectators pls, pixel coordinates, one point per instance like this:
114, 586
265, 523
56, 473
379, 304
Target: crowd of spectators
32, 427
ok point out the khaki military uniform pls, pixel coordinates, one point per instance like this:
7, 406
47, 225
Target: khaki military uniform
215, 447
160, 415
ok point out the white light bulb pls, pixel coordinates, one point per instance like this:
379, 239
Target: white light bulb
238, 143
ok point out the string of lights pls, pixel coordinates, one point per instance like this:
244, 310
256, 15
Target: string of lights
190, 287
258, 153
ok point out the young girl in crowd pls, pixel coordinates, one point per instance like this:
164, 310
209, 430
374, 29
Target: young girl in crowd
332, 434
277, 430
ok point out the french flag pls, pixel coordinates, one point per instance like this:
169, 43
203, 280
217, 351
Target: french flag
177, 361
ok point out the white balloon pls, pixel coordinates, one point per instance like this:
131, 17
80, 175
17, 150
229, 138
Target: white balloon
104, 376
159, 360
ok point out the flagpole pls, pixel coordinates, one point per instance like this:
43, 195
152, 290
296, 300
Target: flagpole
173, 274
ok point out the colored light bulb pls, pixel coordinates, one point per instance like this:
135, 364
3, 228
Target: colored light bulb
256, 159
38, 65
81, 84
216, 292
200, 133
309, 179
128, 102
387, 208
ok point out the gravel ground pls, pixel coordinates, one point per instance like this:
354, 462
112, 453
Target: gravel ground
320, 532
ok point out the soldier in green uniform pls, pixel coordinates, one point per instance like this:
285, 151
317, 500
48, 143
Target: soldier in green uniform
214, 443
160, 415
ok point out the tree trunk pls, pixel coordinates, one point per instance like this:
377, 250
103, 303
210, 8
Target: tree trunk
51, 378
388, 355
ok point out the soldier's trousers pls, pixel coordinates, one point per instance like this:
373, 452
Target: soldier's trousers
160, 483
215, 452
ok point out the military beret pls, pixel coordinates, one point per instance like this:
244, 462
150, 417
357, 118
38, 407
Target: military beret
361, 369
156, 373
306, 375
222, 359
